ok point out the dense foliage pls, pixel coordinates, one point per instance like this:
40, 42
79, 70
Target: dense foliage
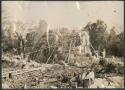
45, 45
100, 38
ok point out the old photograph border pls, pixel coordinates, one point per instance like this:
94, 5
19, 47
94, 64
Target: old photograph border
57, 88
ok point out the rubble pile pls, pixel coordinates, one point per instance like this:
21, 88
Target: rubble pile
104, 74
16, 62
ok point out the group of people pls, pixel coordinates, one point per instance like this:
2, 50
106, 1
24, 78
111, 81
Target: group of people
103, 53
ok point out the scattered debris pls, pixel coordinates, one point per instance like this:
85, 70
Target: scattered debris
103, 74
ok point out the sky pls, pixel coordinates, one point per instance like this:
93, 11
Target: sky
70, 14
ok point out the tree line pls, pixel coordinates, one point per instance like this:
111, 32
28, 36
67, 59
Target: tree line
43, 44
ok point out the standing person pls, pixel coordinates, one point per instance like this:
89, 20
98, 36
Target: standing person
96, 53
55, 58
104, 53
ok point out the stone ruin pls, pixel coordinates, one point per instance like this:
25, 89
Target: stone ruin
85, 45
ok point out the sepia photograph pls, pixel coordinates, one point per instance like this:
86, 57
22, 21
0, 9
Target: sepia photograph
62, 44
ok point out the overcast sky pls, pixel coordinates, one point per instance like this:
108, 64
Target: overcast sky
69, 14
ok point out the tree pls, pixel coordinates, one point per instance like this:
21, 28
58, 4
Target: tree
98, 34
6, 30
115, 43
40, 31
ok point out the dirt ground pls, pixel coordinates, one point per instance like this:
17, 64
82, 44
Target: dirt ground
19, 73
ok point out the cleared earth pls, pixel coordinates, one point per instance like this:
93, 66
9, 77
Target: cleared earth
21, 73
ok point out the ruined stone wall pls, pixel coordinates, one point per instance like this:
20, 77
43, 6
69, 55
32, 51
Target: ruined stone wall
84, 48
